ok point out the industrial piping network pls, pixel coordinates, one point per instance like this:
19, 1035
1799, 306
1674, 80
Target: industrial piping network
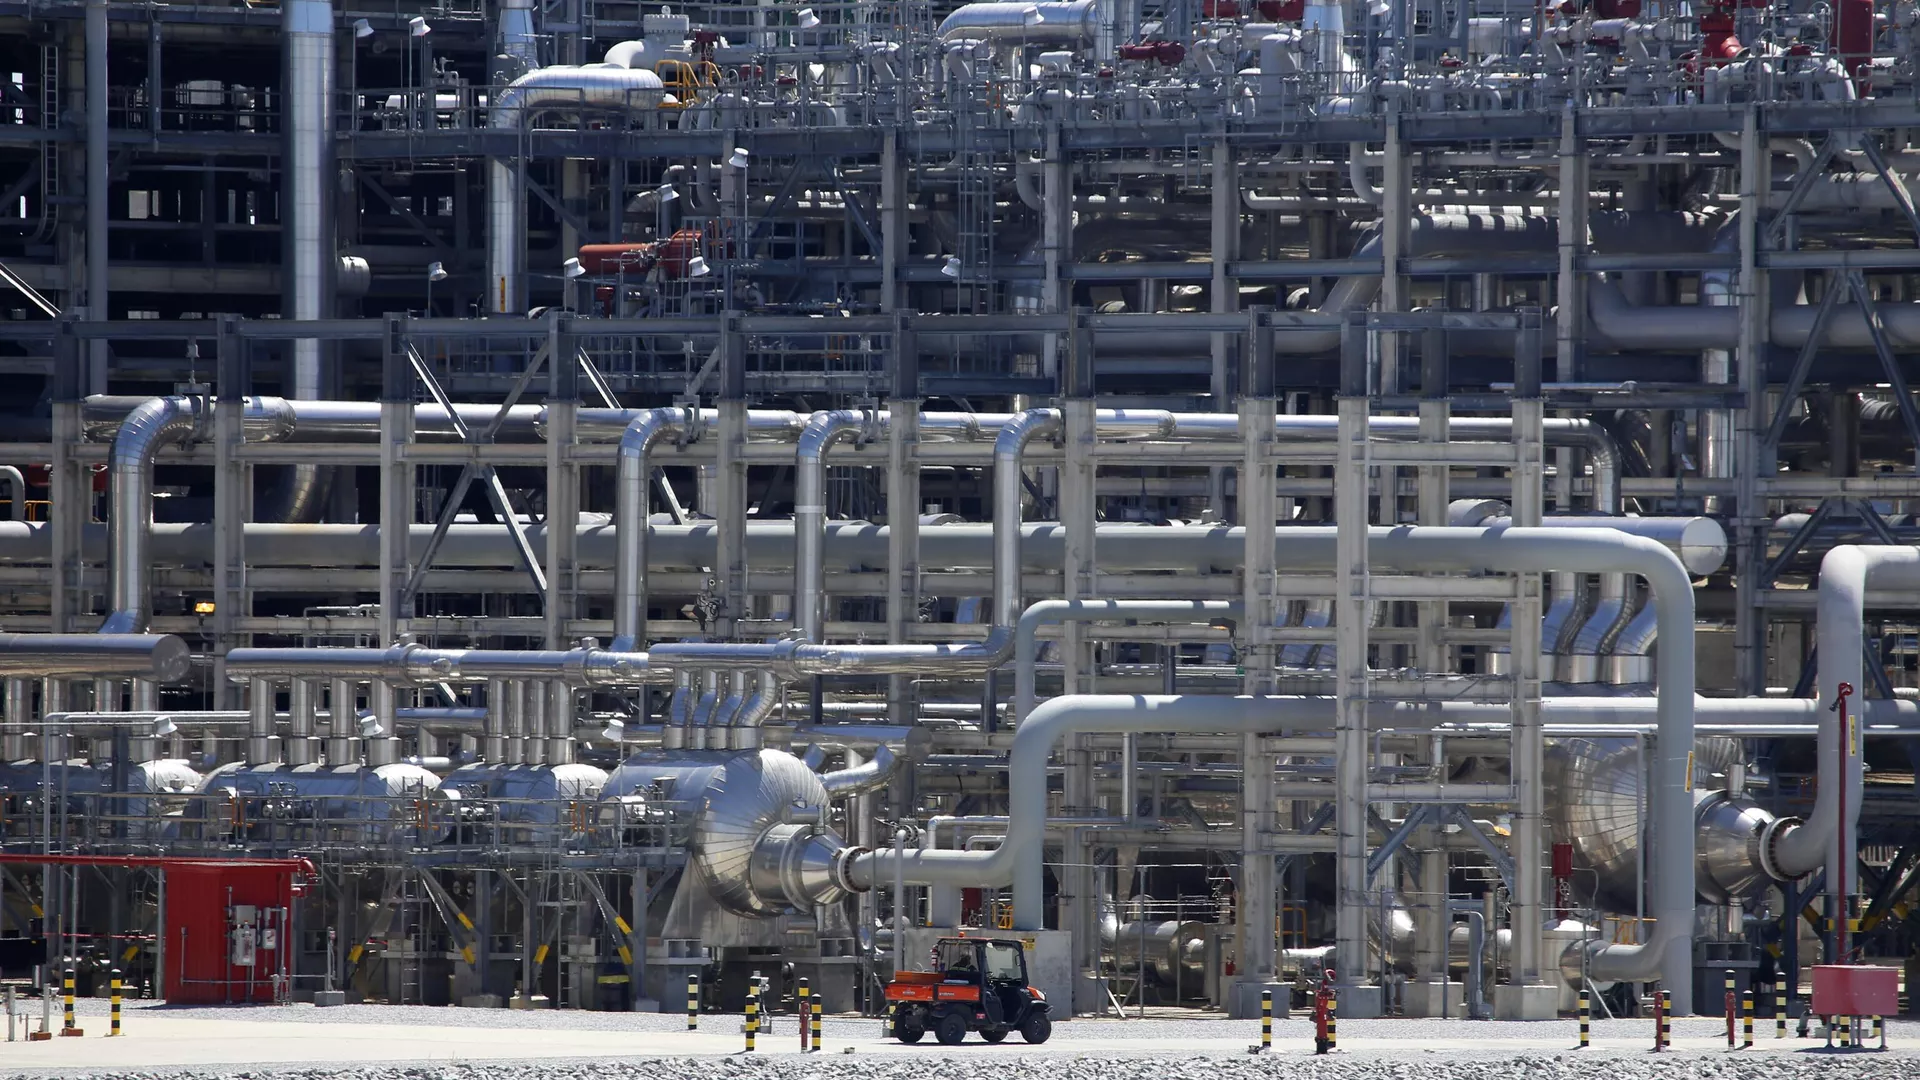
1582, 548
719, 789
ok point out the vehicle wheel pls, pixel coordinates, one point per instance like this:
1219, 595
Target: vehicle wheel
907, 1027
1037, 1028
951, 1029
994, 1035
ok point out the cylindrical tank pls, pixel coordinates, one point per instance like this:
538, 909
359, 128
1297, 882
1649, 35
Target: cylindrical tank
315, 804
755, 834
155, 794
1175, 951
525, 803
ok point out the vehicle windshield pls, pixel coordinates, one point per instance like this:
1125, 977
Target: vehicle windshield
1003, 963
956, 956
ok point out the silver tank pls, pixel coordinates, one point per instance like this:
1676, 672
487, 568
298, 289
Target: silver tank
157, 791
313, 804
756, 835
524, 802
1596, 790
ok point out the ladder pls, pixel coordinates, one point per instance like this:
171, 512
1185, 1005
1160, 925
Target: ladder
409, 899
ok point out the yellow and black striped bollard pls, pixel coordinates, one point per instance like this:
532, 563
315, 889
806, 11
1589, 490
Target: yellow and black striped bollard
1732, 1002
1666, 1020
693, 1002
1846, 1031
753, 1013
1586, 1018
803, 993
1780, 1011
1266, 1020
113, 1002
67, 1027
1333, 1022
815, 1006
1746, 1019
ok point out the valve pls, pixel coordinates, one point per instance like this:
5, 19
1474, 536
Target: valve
1323, 1013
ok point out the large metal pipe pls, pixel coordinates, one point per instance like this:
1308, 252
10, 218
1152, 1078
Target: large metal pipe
160, 657
417, 665
1053, 612
576, 89
308, 26
1050, 22
1826, 838
160, 422
633, 477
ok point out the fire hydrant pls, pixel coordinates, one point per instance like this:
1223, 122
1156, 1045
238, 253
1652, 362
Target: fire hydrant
1323, 1014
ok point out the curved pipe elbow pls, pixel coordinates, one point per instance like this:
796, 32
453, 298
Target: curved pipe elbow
152, 425
877, 772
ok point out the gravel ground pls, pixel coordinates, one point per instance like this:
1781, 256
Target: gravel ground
1431, 1066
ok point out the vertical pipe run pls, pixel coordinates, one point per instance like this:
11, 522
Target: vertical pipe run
309, 180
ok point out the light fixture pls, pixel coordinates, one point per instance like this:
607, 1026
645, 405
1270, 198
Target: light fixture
1378, 8
362, 29
952, 267
370, 727
418, 27
1031, 16
697, 267
572, 269
665, 193
808, 20
163, 726
436, 272
203, 607
739, 158
615, 731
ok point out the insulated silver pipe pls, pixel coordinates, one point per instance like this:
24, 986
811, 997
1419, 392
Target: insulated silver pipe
1825, 838
159, 657
308, 26
417, 665
1049, 22
1052, 612
633, 480
157, 423
823, 431
872, 775
574, 89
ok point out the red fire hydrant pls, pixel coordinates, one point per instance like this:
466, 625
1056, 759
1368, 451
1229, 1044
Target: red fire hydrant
1323, 1014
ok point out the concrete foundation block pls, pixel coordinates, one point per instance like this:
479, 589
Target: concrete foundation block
326, 999
1361, 1002
481, 1001
1536, 1002
1434, 999
1244, 1001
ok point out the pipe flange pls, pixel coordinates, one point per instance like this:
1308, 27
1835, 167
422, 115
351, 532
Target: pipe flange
843, 867
1770, 836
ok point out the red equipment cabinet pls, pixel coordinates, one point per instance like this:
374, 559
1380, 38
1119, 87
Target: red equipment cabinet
228, 923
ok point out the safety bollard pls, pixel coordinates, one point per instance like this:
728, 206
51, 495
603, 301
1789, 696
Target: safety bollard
1731, 1003
1333, 1021
1586, 1018
753, 1012
9, 1007
802, 994
1746, 1019
1780, 1012
1662, 1023
67, 1027
693, 1002
818, 1045
113, 1002
1846, 1031
1880, 1025
1266, 1020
